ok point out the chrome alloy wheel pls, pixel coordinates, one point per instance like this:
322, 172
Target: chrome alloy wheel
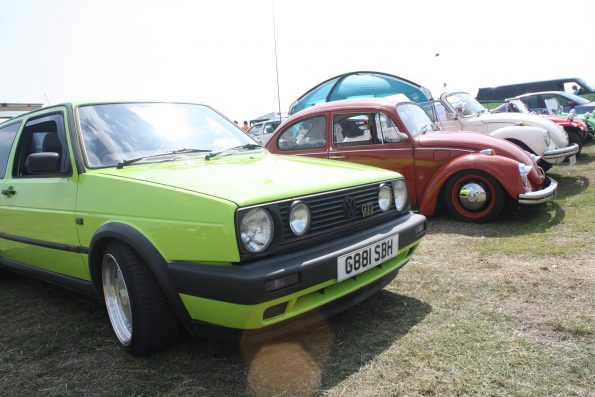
117, 299
472, 196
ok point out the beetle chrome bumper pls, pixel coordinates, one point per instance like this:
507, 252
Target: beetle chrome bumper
540, 196
557, 154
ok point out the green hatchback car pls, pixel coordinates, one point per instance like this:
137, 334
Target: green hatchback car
175, 218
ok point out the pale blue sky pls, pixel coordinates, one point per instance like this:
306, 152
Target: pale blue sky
221, 52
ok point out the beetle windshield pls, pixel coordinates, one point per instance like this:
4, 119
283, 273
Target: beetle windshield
415, 119
517, 105
114, 133
464, 104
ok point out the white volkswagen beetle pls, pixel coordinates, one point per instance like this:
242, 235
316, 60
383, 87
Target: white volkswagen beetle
459, 111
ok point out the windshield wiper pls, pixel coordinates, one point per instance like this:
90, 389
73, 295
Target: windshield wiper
247, 146
122, 163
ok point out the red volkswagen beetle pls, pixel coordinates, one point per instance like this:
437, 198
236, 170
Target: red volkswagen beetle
473, 174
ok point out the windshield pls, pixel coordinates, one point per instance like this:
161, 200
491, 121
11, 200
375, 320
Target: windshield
464, 104
576, 98
113, 133
415, 119
518, 106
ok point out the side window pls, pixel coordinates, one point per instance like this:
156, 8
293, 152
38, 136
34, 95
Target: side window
7, 135
530, 101
42, 135
386, 130
305, 134
563, 100
353, 129
254, 131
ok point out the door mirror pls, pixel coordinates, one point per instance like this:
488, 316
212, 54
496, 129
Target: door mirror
452, 116
43, 163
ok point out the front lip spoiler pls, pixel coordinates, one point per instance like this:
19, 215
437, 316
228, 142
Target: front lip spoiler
540, 196
562, 152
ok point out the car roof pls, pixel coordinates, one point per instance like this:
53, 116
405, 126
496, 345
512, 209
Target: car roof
564, 93
346, 104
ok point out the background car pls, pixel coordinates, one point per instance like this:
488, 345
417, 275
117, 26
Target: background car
262, 131
537, 101
177, 227
471, 174
577, 130
542, 137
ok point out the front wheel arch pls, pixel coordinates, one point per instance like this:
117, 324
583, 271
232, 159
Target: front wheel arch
495, 196
132, 237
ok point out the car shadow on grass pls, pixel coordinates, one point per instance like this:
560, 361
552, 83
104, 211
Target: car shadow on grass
54, 339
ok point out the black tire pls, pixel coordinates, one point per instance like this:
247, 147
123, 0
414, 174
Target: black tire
494, 196
153, 326
574, 137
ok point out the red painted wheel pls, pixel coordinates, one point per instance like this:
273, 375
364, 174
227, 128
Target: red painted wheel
474, 196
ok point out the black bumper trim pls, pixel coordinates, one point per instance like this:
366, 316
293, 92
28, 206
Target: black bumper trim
244, 284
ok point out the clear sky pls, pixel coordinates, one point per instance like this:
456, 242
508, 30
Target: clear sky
222, 52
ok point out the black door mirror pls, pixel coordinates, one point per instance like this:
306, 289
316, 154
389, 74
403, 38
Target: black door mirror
43, 163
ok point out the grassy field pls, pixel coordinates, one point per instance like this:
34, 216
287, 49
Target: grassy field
501, 309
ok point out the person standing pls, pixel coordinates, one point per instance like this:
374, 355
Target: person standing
245, 127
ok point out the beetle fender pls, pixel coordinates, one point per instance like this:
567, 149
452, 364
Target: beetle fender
504, 169
532, 137
150, 255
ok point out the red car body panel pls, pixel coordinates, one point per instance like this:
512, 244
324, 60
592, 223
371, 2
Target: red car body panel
426, 161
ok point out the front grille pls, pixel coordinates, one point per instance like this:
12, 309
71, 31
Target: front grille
328, 211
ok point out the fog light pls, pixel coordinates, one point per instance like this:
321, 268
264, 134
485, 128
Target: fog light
274, 311
278, 283
420, 228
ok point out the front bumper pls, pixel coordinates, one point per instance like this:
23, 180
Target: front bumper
235, 296
558, 155
540, 196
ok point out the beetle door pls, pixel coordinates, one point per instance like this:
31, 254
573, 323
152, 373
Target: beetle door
373, 138
37, 221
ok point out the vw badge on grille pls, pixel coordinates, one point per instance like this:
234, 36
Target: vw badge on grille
349, 207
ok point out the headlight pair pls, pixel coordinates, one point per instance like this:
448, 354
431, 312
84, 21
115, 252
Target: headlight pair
398, 192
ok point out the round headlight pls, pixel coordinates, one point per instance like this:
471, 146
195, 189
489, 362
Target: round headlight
299, 218
384, 197
400, 192
256, 230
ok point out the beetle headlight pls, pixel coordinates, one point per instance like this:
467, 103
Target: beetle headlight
256, 230
384, 197
299, 218
546, 137
524, 172
400, 194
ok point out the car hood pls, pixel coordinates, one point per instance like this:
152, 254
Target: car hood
475, 142
248, 179
556, 132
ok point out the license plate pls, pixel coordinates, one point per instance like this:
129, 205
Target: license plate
572, 159
366, 258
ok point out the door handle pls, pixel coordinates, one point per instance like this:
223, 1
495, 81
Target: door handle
336, 156
9, 192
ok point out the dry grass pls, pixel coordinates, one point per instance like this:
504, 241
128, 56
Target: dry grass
504, 309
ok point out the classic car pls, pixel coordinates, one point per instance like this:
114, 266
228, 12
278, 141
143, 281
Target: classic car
472, 174
459, 111
542, 137
536, 101
175, 218
577, 130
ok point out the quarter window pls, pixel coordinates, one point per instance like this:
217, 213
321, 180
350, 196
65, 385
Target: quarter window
7, 135
387, 130
305, 134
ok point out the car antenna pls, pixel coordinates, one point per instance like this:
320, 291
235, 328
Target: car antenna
276, 63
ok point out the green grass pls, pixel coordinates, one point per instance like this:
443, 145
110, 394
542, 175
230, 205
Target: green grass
499, 309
